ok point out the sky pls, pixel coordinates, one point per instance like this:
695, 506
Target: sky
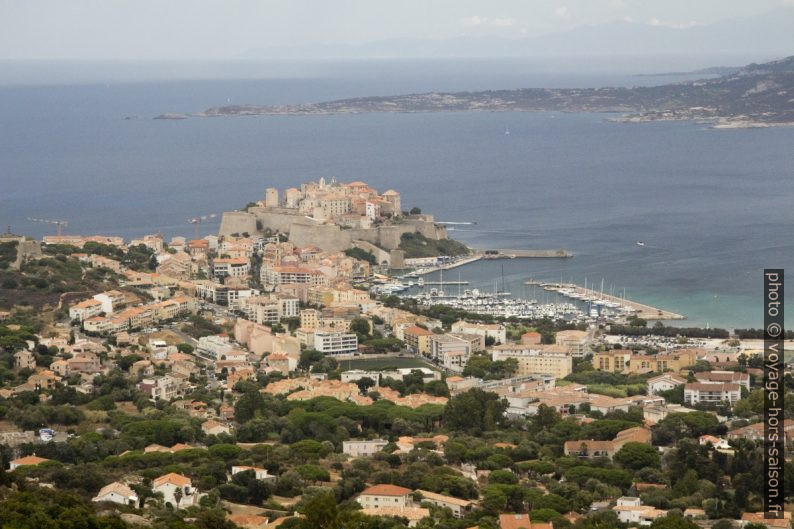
227, 29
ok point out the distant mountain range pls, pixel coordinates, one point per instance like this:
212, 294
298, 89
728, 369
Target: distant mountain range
754, 95
771, 33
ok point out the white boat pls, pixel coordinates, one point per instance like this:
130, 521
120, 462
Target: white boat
640, 243
420, 281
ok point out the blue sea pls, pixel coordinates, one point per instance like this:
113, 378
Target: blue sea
714, 207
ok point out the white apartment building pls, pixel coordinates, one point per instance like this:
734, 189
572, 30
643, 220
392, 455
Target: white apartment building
214, 346
335, 342
238, 267
442, 344
163, 388
85, 309
697, 392
363, 448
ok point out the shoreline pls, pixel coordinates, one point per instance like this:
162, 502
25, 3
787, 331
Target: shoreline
714, 122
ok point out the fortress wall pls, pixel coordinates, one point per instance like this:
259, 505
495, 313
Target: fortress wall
379, 254
428, 229
329, 237
237, 222
279, 219
369, 235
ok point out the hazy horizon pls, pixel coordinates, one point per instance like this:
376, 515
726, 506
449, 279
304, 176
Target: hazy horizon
190, 30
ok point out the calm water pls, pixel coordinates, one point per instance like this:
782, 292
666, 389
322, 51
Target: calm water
714, 207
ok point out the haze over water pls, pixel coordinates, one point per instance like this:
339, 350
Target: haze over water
713, 207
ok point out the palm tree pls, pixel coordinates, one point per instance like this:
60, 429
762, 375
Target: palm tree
178, 496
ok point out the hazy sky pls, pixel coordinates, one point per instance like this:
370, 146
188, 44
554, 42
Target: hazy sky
218, 29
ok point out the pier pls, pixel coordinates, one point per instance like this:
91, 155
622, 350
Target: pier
645, 312
476, 255
446, 283
512, 254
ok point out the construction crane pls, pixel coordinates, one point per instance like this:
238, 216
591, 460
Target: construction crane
59, 224
196, 222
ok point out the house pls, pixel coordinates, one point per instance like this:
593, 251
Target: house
213, 427
117, 493
248, 521
458, 506
260, 473
590, 449
363, 447
721, 377
26, 461
24, 360
412, 514
406, 443
758, 518
520, 521
715, 393
169, 484
385, 496
716, 442
282, 362
631, 511
664, 382
531, 338
154, 447
755, 432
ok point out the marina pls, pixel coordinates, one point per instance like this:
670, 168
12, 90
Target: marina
477, 255
573, 291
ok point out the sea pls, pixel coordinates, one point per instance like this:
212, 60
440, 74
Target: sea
713, 208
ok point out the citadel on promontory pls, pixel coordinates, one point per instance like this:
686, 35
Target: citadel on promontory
334, 216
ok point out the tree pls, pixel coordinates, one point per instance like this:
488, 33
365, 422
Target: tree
178, 496
309, 357
364, 383
360, 326
321, 512
546, 416
636, 456
415, 211
184, 348
475, 410
672, 521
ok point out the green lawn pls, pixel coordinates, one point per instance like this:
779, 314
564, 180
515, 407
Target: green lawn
380, 363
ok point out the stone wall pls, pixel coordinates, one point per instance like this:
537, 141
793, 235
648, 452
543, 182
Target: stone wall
303, 230
380, 255
328, 237
237, 222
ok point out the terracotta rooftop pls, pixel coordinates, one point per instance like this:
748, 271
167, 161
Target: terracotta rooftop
386, 490
173, 479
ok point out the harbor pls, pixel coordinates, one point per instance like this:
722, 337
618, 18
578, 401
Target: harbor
477, 255
640, 310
